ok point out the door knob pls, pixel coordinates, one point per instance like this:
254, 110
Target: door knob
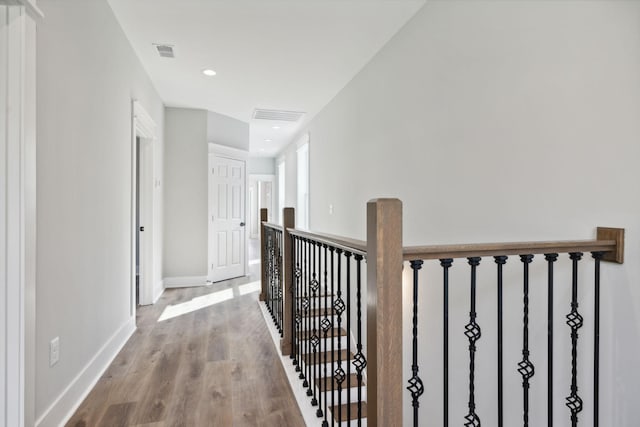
242, 224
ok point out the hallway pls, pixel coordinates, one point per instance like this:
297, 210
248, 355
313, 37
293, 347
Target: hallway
200, 357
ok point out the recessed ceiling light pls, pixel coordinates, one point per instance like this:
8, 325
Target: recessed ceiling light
268, 140
208, 72
262, 150
276, 127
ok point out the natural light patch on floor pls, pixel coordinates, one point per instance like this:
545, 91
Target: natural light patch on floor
208, 300
254, 261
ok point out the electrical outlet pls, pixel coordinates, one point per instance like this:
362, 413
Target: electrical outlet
54, 351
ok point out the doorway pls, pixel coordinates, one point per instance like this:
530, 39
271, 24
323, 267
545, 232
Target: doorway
227, 222
261, 195
143, 291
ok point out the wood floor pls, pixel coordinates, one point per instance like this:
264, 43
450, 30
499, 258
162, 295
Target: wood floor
213, 366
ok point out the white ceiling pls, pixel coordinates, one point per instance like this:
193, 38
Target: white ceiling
291, 55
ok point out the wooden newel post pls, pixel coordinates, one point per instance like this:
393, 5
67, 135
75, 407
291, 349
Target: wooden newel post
263, 255
288, 221
384, 312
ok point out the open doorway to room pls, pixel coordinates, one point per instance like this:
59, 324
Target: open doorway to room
142, 218
261, 195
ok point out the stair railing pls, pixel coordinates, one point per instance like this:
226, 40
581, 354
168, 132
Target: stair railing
328, 318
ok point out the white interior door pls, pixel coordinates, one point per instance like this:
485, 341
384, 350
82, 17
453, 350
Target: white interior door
227, 218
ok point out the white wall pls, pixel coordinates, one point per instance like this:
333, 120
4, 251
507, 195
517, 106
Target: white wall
225, 130
186, 195
499, 121
87, 76
261, 166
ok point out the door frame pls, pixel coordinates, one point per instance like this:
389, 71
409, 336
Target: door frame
215, 149
17, 212
143, 127
254, 179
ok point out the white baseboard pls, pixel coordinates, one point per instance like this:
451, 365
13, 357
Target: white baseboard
158, 290
184, 282
72, 396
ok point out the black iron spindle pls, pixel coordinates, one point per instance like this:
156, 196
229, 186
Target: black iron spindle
305, 315
326, 326
525, 367
597, 256
308, 355
313, 338
319, 315
446, 264
500, 260
473, 333
339, 307
348, 355
551, 258
575, 321
297, 301
359, 361
333, 341
416, 388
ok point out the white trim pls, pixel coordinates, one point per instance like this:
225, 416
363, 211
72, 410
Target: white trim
72, 396
225, 151
185, 281
30, 6
145, 128
144, 125
158, 291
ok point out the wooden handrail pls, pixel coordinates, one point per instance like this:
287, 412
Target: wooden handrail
345, 243
272, 225
511, 248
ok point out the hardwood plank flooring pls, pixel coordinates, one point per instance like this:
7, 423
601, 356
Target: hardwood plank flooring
214, 365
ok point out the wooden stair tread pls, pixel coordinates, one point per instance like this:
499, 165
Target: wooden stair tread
326, 357
352, 380
305, 335
340, 412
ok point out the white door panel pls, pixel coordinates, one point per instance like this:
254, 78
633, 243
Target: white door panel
227, 216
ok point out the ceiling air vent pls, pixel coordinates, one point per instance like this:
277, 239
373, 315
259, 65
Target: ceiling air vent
165, 50
285, 116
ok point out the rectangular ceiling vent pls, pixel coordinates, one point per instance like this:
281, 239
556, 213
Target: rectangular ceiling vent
165, 50
285, 116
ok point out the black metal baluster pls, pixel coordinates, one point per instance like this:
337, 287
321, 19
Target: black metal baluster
500, 260
280, 284
326, 326
416, 388
292, 292
551, 258
359, 361
525, 367
305, 315
313, 338
446, 264
597, 256
338, 308
473, 333
307, 302
575, 321
333, 340
348, 355
317, 386
296, 301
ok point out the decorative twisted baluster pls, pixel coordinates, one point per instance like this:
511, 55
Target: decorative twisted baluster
338, 308
575, 321
326, 326
296, 304
446, 264
359, 360
525, 367
314, 340
551, 258
473, 333
305, 313
416, 388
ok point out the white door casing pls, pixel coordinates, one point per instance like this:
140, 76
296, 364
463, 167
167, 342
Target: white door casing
227, 238
145, 128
